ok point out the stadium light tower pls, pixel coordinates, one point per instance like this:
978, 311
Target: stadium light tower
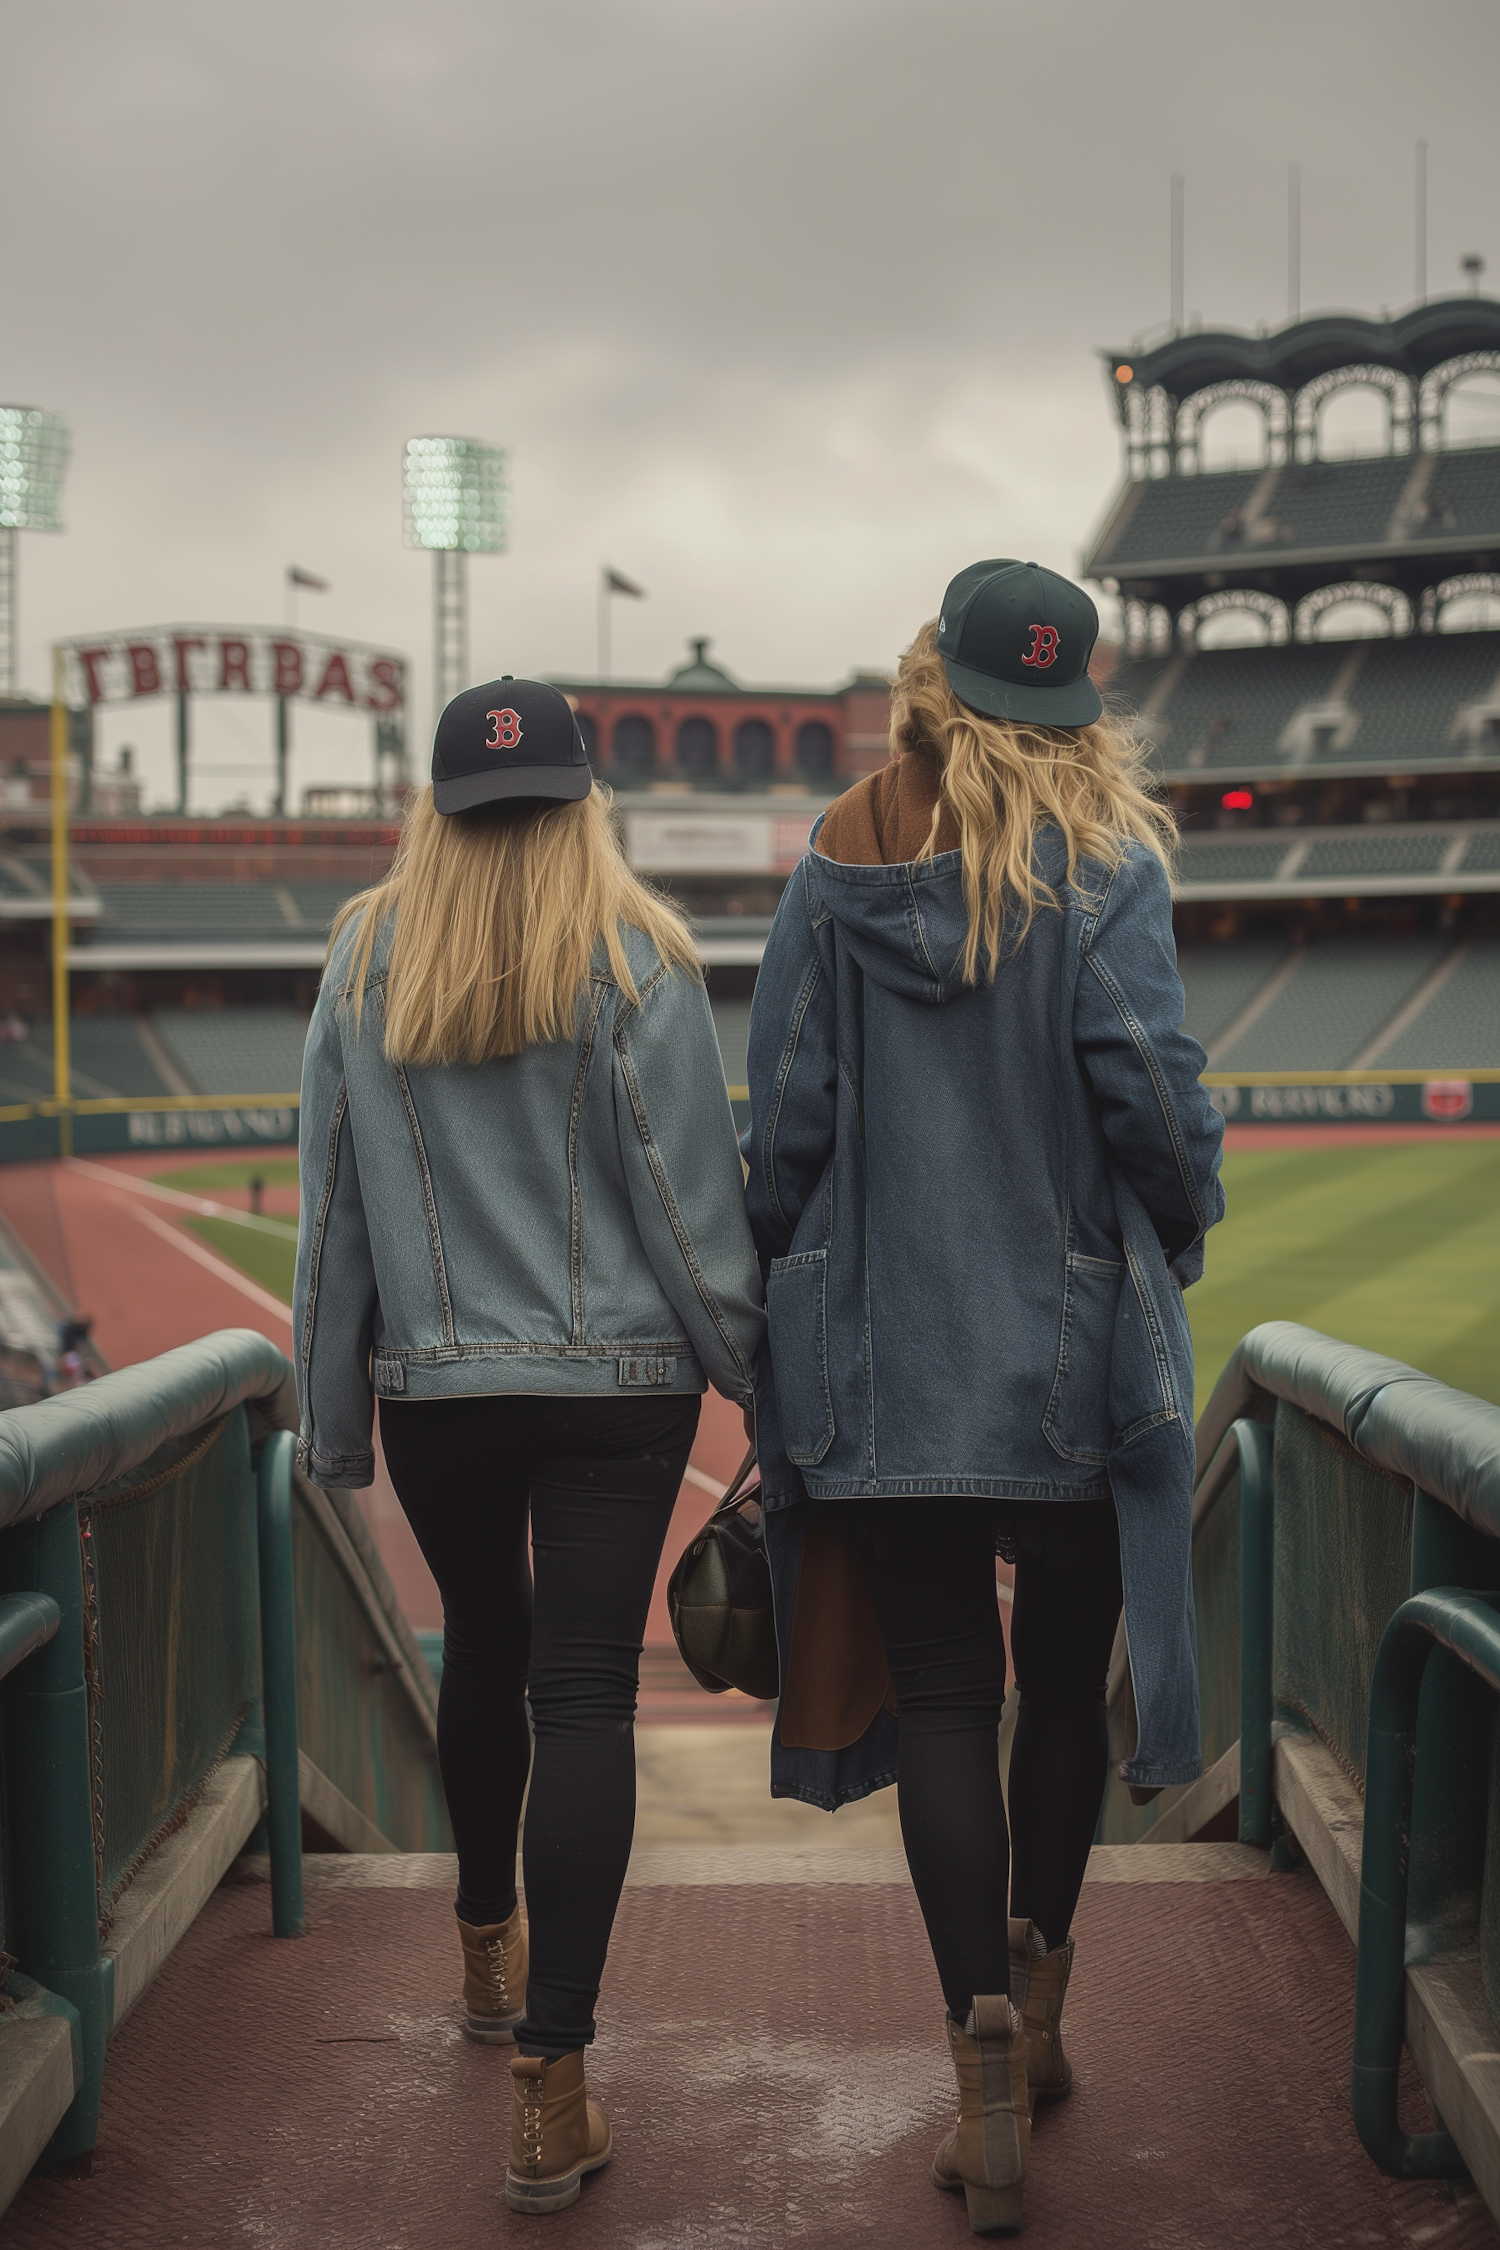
456, 503
34, 448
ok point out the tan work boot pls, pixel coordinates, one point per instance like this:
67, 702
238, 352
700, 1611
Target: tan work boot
495, 1960
986, 2152
556, 2133
1041, 1979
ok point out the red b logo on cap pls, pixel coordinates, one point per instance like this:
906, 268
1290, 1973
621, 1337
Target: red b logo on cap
1043, 649
505, 727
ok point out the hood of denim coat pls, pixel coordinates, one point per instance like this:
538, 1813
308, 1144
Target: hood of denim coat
906, 924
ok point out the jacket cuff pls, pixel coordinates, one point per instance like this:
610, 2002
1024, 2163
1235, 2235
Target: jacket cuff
335, 1472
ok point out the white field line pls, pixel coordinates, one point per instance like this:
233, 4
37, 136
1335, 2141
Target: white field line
283, 1229
211, 1264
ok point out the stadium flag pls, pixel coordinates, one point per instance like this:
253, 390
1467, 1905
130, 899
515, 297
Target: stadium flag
298, 577
612, 581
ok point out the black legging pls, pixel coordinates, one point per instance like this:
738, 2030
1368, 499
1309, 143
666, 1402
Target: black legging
933, 1583
597, 1478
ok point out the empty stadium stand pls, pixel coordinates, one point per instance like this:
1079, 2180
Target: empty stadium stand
1458, 1026
1328, 1011
1428, 699
241, 1053
1220, 981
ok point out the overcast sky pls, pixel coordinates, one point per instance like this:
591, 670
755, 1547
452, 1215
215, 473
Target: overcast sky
789, 308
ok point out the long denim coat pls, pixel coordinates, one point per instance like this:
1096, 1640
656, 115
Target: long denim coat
975, 1209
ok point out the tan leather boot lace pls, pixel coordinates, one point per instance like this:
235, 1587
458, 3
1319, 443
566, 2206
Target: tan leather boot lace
494, 1954
531, 2122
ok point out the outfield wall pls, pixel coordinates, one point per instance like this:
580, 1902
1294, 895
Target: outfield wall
185, 1121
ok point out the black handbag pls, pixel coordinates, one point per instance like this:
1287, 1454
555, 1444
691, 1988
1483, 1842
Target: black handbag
719, 1598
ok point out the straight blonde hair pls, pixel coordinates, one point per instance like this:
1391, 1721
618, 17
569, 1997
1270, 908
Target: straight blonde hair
1002, 779
497, 915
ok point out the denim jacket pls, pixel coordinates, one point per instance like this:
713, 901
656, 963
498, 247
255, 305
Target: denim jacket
566, 1220
975, 1210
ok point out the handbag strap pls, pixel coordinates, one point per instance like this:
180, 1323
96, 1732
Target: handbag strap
735, 1487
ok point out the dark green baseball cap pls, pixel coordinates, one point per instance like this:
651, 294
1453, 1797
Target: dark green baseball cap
1016, 639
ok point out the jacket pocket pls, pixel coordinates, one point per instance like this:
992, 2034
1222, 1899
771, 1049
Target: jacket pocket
797, 1325
1077, 1422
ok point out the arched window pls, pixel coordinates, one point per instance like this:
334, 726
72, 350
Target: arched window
754, 750
815, 750
635, 743
698, 746
1233, 435
590, 733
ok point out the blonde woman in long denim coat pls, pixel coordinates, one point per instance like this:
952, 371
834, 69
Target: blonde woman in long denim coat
981, 1170
524, 1233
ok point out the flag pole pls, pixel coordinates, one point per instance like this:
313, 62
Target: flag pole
603, 629
61, 1064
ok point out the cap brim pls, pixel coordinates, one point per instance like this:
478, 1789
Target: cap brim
466, 790
1076, 705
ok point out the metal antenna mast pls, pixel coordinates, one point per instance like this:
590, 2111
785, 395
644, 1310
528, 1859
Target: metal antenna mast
1421, 228
1176, 253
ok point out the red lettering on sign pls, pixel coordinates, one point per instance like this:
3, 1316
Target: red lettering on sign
386, 695
288, 667
1043, 649
145, 672
234, 664
90, 660
335, 680
1447, 1098
505, 729
184, 649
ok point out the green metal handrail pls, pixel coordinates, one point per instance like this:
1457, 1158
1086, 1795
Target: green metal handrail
1257, 1617
52, 1455
278, 1666
27, 1623
1467, 1627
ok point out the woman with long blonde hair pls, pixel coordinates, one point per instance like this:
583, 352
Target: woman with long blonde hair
524, 1235
981, 1170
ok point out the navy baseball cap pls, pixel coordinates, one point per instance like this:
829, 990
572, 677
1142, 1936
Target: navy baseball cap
1016, 639
511, 738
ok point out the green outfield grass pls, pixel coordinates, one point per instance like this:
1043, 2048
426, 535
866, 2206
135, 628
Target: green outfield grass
1395, 1246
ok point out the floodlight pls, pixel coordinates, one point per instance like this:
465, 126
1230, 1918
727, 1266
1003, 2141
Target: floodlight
34, 447
456, 495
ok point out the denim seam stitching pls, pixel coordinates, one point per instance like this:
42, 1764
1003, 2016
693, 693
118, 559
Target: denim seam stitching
434, 1235
669, 1204
778, 1091
575, 1199
315, 1259
1158, 1341
1154, 1071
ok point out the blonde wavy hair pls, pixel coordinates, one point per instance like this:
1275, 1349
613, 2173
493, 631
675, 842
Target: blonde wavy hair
1002, 779
497, 914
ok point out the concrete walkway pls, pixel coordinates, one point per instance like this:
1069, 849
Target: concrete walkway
771, 2048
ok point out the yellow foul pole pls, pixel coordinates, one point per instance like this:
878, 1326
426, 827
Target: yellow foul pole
61, 1065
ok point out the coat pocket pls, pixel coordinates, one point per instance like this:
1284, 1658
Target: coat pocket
797, 1325
1077, 1421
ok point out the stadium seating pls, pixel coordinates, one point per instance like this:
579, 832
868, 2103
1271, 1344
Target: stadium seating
1334, 1003
1230, 709
1311, 507
166, 910
1464, 495
1255, 858
1320, 504
1459, 1029
241, 1053
1231, 706
1219, 980
1175, 518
